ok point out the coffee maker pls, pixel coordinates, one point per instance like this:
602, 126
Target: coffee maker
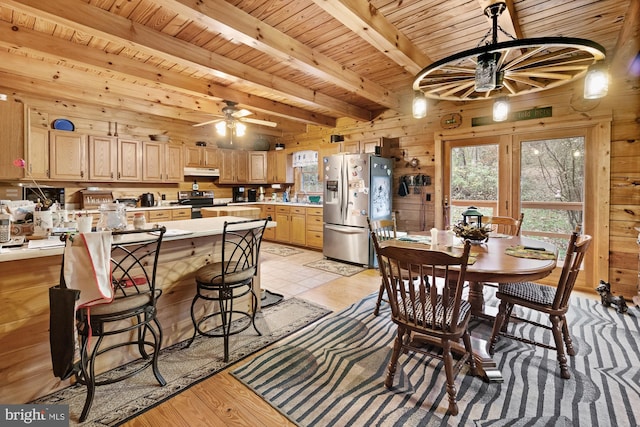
239, 194
252, 195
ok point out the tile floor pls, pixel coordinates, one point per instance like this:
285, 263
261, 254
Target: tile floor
287, 275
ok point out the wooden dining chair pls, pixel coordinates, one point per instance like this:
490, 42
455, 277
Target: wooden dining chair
382, 230
548, 300
426, 311
506, 224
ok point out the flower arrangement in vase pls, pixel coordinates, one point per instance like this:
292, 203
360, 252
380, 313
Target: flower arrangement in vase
46, 202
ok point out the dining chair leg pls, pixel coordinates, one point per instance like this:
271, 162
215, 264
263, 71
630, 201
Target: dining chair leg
507, 317
556, 328
497, 327
567, 337
451, 385
193, 319
157, 345
393, 363
379, 302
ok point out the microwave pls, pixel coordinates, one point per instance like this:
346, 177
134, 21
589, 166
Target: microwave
56, 194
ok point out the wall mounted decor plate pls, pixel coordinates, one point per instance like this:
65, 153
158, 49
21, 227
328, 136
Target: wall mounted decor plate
63, 124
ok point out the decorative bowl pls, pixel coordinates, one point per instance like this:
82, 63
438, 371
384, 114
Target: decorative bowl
159, 138
475, 235
314, 199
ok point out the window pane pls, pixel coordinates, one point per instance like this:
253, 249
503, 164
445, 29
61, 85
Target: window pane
309, 179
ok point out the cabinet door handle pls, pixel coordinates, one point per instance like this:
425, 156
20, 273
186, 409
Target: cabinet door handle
81, 174
112, 175
118, 175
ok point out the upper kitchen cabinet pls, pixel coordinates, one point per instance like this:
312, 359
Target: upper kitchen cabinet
161, 162
201, 156
11, 138
37, 153
351, 147
279, 167
114, 159
129, 160
380, 146
257, 167
234, 166
68, 156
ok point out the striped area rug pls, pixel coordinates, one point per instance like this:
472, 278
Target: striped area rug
333, 375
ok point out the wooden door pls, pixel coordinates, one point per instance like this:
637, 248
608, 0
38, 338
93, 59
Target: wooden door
283, 229
193, 156
210, 157
129, 160
68, 152
284, 167
242, 166
103, 158
11, 139
152, 161
174, 169
227, 167
38, 153
257, 167
298, 226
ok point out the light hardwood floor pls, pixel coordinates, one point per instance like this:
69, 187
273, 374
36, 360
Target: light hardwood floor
222, 400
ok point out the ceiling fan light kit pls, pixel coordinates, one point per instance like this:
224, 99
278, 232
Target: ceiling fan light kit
233, 119
511, 68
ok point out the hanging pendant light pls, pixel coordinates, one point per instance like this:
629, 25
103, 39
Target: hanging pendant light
419, 108
501, 109
596, 83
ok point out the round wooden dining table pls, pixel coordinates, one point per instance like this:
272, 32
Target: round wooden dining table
492, 265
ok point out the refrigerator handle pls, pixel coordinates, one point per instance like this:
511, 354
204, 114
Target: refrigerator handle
343, 194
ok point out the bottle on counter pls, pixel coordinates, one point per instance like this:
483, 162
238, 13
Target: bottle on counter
195, 185
139, 221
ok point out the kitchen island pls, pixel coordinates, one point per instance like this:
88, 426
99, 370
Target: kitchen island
27, 275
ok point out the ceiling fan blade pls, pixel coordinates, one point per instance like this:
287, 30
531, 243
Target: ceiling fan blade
241, 113
207, 122
259, 122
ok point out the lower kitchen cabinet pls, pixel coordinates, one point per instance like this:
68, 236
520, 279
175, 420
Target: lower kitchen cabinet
283, 229
298, 226
269, 211
314, 228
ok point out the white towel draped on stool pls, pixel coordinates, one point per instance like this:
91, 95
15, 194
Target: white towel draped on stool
87, 267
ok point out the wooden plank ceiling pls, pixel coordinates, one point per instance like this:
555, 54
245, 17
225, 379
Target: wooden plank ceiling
294, 62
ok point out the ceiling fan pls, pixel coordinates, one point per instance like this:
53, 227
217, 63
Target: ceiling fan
233, 114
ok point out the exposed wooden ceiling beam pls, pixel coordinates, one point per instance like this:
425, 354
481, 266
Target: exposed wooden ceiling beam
235, 24
29, 41
364, 20
99, 23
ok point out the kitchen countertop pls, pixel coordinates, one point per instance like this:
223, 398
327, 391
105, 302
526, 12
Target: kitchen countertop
181, 229
268, 202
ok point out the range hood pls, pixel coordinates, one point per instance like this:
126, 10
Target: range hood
201, 172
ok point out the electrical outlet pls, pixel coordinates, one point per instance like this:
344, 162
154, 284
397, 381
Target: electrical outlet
428, 197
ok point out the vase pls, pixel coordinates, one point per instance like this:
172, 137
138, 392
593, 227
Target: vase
42, 223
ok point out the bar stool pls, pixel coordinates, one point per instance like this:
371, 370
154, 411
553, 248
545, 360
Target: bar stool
230, 278
131, 313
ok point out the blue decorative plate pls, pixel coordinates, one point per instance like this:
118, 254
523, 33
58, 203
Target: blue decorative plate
63, 124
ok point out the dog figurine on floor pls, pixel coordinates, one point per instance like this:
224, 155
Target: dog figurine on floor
607, 298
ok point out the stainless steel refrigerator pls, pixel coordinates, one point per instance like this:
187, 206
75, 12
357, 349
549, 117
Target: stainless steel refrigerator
355, 186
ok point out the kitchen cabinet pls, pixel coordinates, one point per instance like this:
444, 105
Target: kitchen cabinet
352, 147
161, 162
37, 151
129, 160
180, 213
283, 229
11, 138
257, 167
158, 215
234, 165
380, 146
314, 227
269, 211
114, 159
68, 156
298, 225
279, 167
201, 156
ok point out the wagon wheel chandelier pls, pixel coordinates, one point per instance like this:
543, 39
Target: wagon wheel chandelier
510, 68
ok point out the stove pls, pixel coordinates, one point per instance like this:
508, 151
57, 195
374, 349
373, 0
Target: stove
197, 200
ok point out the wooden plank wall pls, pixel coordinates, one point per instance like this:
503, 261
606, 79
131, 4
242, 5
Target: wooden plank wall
417, 140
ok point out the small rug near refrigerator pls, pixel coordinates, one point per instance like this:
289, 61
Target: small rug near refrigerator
336, 267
